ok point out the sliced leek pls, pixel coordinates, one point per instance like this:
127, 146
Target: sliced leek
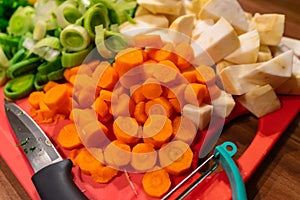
96, 15
100, 43
40, 30
4, 62
21, 21
74, 38
115, 41
67, 13
48, 48
75, 58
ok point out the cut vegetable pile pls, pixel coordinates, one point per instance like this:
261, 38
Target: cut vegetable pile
139, 81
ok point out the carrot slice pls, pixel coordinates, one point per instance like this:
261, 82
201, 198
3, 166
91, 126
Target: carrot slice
165, 53
195, 93
176, 157
185, 54
93, 134
136, 93
124, 106
56, 96
126, 129
139, 112
109, 78
68, 137
156, 183
143, 157
157, 130
87, 162
69, 72
101, 107
105, 95
117, 154
207, 75
104, 174
151, 88
184, 129
128, 59
35, 98
159, 106
49, 85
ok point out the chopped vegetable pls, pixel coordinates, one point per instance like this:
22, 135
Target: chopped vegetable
68, 137
156, 183
143, 157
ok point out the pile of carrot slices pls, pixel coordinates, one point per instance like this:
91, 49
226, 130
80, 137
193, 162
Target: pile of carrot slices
128, 114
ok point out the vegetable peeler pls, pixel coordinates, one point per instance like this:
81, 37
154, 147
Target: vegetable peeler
222, 155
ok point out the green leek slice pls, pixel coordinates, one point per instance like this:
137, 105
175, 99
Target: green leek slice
96, 15
40, 30
100, 43
4, 62
21, 21
48, 48
67, 13
19, 87
75, 58
74, 38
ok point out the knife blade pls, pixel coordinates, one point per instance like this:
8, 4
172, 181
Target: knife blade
52, 175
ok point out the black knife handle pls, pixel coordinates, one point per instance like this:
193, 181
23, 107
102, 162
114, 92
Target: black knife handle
55, 182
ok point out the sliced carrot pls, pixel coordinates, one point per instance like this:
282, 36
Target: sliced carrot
213, 92
56, 96
165, 72
126, 129
159, 106
68, 137
207, 75
35, 98
191, 75
85, 69
105, 95
117, 154
93, 134
87, 162
176, 105
176, 157
108, 79
165, 53
185, 54
49, 85
104, 174
143, 157
135, 76
107, 118
151, 89
184, 129
143, 40
45, 114
99, 70
157, 130
101, 107
93, 64
73, 154
195, 93
139, 112
156, 183
136, 93
69, 72
124, 106
128, 59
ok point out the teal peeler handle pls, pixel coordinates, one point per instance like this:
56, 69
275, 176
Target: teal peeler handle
224, 152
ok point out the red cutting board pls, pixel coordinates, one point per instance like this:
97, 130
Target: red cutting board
270, 129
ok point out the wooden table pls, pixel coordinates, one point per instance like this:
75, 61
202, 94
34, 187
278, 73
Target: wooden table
278, 177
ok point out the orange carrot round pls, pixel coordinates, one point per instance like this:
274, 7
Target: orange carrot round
126, 129
143, 157
156, 183
117, 154
176, 157
68, 137
157, 130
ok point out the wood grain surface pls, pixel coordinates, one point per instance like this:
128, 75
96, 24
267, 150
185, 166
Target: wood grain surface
278, 177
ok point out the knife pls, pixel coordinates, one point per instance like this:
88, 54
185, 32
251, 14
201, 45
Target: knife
52, 175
